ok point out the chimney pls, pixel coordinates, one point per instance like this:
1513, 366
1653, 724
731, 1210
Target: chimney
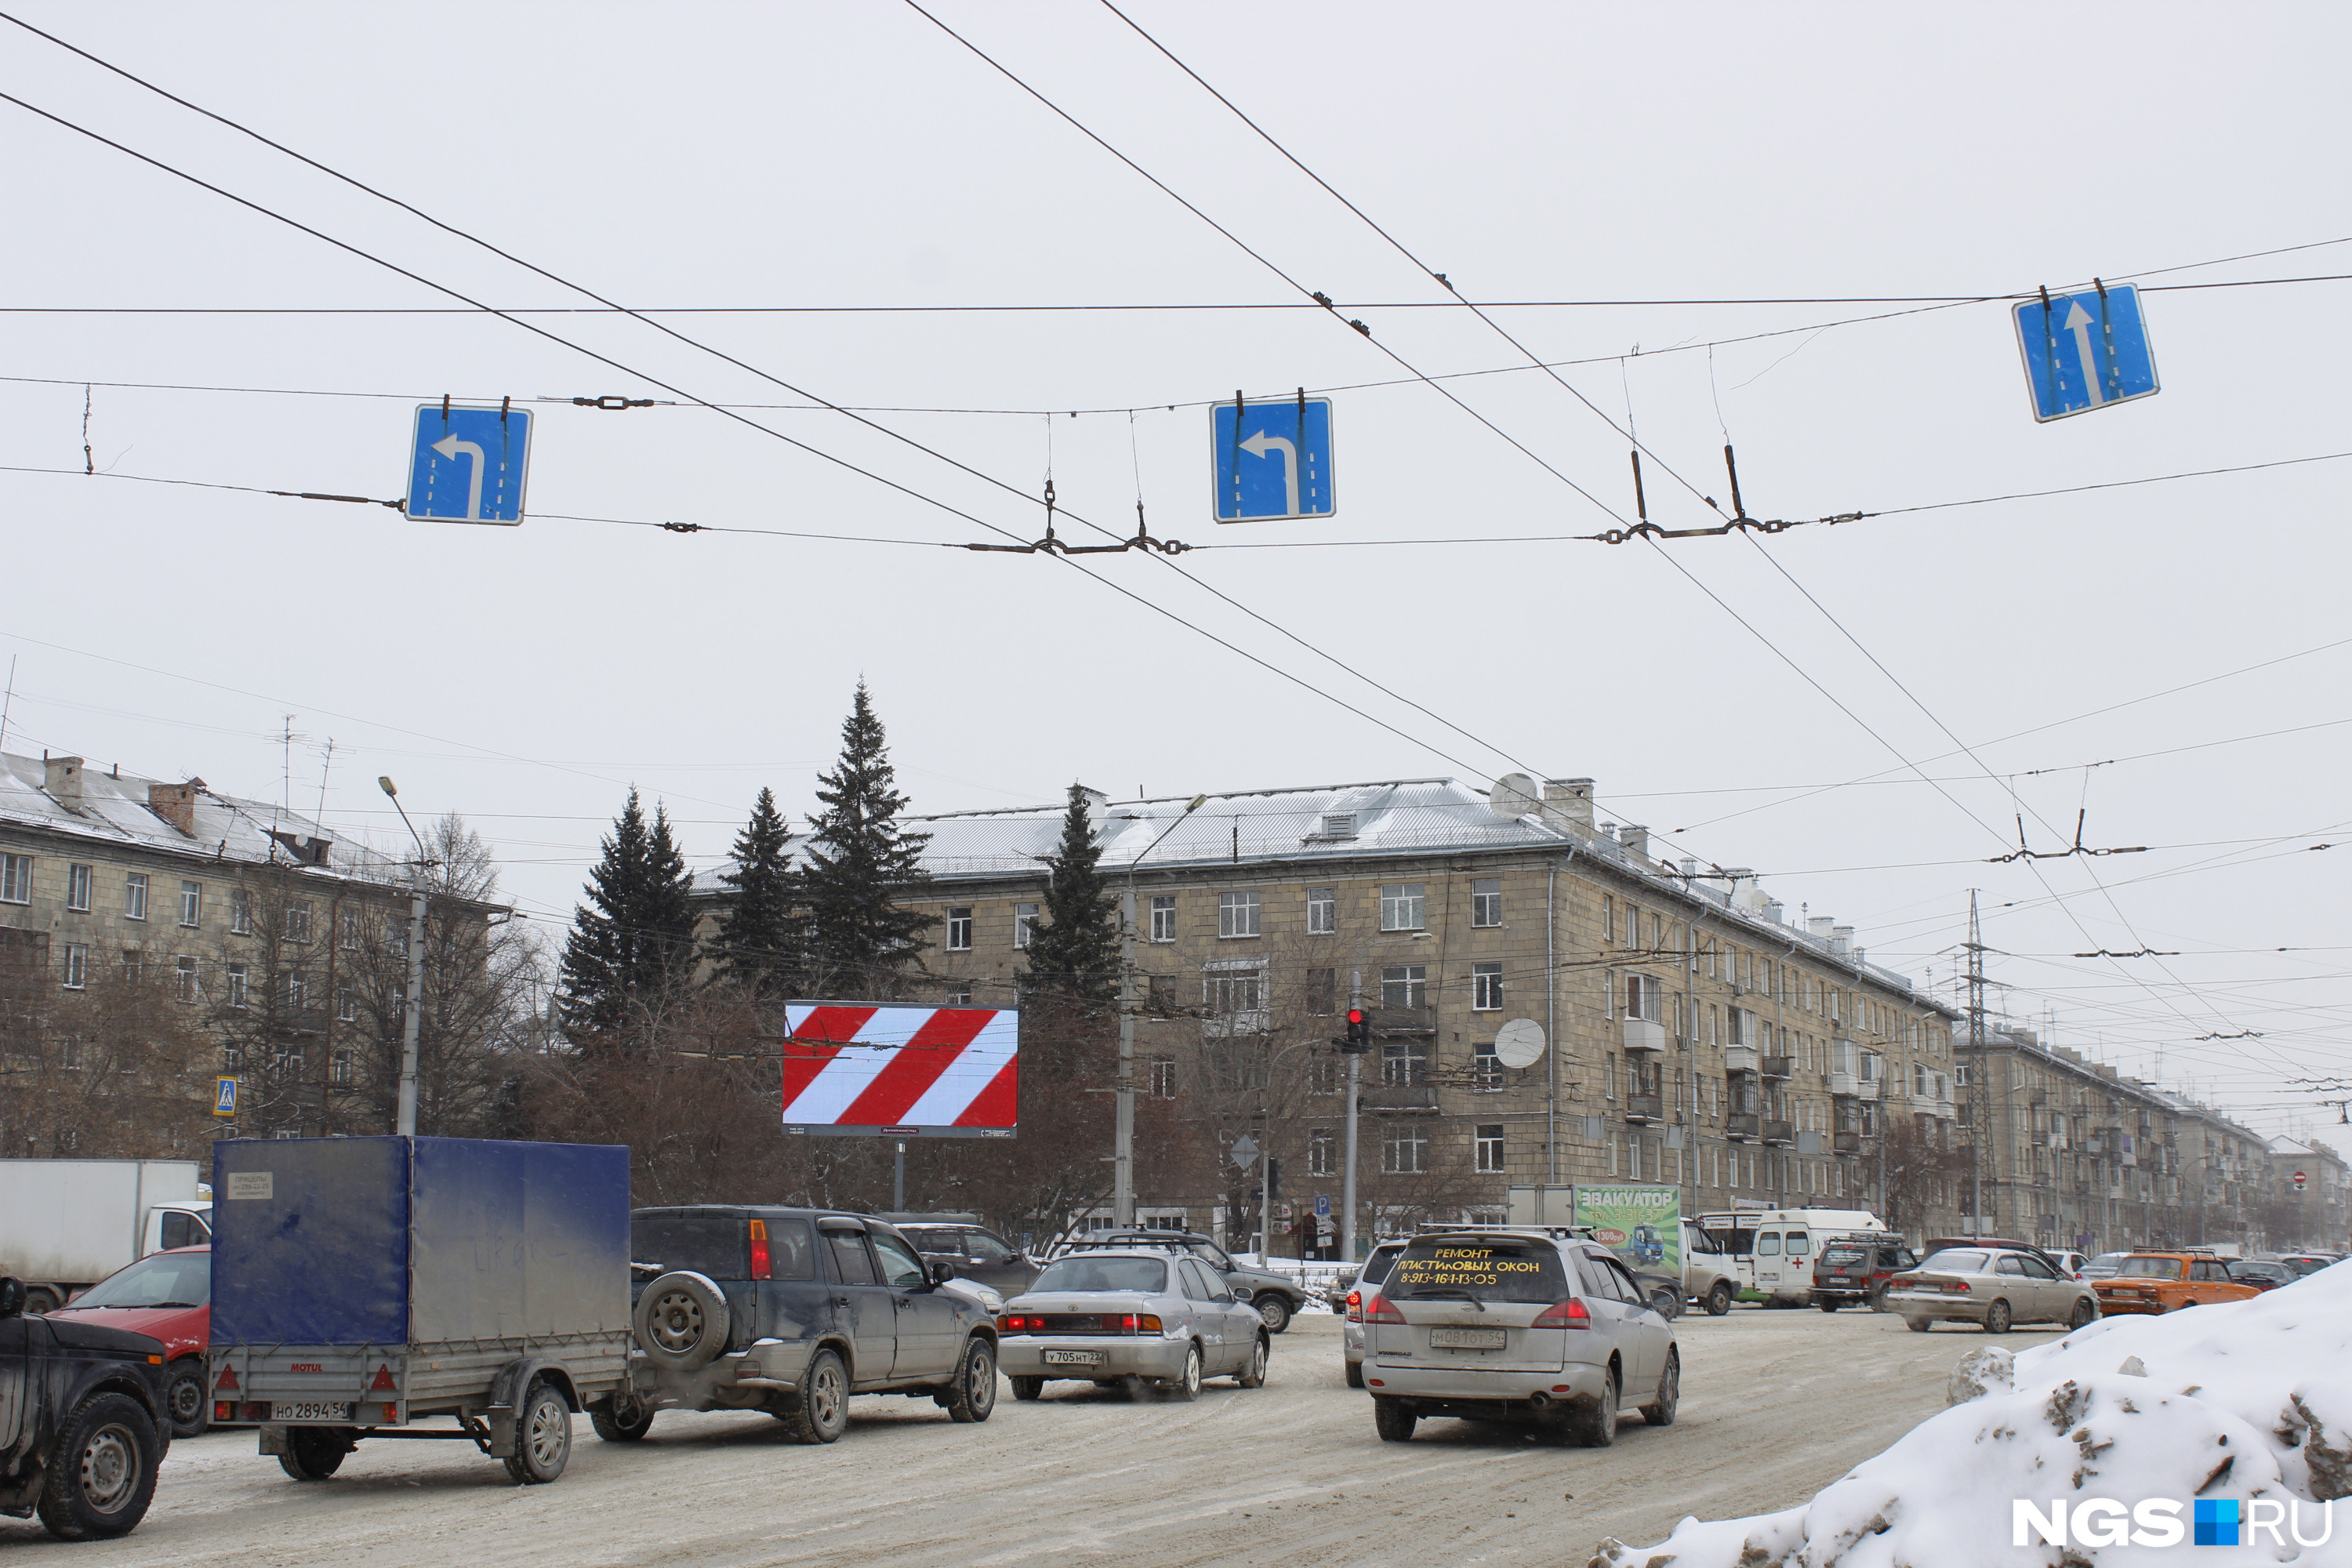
62, 779
1819, 927
1775, 912
1567, 802
1744, 893
1097, 808
1841, 939
176, 803
1635, 839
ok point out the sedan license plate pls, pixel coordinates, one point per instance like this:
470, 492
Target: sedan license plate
1074, 1358
309, 1413
1465, 1339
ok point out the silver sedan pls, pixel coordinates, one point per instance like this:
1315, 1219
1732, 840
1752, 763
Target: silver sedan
1131, 1319
1991, 1287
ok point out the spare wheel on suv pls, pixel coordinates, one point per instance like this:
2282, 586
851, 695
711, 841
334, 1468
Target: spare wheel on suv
682, 1321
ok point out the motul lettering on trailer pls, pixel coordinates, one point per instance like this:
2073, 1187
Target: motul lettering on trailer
873, 1069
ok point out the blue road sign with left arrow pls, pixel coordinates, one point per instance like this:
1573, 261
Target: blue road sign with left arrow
1272, 459
468, 464
2084, 351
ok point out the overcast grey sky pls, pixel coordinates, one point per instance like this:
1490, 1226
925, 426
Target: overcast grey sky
801, 156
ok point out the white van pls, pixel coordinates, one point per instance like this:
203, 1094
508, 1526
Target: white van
1788, 1242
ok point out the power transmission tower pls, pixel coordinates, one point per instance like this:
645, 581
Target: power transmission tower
1980, 1083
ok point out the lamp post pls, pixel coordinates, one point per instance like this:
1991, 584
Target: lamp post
413, 1012
1122, 1159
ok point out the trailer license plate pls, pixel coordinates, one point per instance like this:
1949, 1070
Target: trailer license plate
309, 1413
1074, 1358
1465, 1339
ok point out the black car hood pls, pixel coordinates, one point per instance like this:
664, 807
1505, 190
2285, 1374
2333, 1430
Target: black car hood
74, 1333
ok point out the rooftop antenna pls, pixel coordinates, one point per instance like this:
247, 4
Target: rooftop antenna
325, 763
7, 703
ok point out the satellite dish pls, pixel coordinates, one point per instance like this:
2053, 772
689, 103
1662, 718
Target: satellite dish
1520, 1043
1514, 796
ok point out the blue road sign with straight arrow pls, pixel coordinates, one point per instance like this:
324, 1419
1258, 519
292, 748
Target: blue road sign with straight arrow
2084, 351
468, 464
1272, 459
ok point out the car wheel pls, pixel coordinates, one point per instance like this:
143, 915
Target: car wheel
1185, 1387
1827, 1303
2085, 1313
38, 1302
973, 1396
1253, 1375
1597, 1428
1997, 1318
188, 1401
822, 1413
623, 1418
1355, 1374
102, 1475
1025, 1389
1916, 1325
1274, 1310
1878, 1301
1660, 1411
314, 1453
1392, 1420
542, 1435
681, 1321
1718, 1301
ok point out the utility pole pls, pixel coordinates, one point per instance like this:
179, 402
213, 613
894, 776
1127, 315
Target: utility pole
1355, 1092
1122, 1190
413, 1009
1980, 1087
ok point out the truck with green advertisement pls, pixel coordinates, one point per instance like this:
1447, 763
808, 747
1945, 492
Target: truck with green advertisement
1643, 1226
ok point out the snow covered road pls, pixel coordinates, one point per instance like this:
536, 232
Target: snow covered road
1775, 1406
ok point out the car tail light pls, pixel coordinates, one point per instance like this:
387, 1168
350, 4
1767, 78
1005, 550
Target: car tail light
224, 1410
1957, 1288
1381, 1310
1131, 1323
1355, 1306
1022, 1323
1569, 1314
758, 1249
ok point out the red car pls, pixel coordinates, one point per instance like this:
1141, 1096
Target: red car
166, 1295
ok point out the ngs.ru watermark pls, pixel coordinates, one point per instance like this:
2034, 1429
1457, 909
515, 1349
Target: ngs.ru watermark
2158, 1522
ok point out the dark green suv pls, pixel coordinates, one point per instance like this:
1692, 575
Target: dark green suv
82, 1420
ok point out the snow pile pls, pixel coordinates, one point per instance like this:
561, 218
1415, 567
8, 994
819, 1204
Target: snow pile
2251, 1400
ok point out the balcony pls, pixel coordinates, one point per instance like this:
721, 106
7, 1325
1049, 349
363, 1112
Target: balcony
1847, 1143
1641, 1035
1740, 1059
1846, 1085
1404, 1020
2041, 1140
1782, 1067
1867, 1089
1645, 1108
1741, 1126
1780, 1134
1419, 1099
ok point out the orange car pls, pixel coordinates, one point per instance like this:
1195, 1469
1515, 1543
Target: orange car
2168, 1282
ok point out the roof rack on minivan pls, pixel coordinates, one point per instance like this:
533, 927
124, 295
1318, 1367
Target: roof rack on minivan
1556, 1232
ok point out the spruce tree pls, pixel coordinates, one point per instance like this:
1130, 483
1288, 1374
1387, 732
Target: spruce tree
1075, 952
859, 860
757, 947
636, 931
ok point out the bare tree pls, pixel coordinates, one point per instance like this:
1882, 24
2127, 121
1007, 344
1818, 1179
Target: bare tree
97, 1061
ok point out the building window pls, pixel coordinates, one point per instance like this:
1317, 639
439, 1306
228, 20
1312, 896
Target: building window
1322, 1153
1401, 906
343, 1067
1645, 998
1324, 1075
184, 979
1163, 1077
1608, 919
239, 994
347, 1003
1486, 901
1025, 924
77, 887
1234, 997
1485, 1068
1404, 1063
240, 911
1322, 910
15, 878
1162, 994
959, 995
1486, 987
297, 991
192, 905
134, 896
134, 966
348, 924
77, 965
1163, 916
1490, 1149
1404, 1151
1404, 985
1237, 914
960, 927
298, 920
1322, 992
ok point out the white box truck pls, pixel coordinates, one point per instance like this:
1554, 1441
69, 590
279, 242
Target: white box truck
65, 1224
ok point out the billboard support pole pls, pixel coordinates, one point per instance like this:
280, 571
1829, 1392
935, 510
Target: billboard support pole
1122, 1191
898, 1179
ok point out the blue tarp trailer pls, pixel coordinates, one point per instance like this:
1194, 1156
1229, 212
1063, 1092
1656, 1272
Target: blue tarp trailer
361, 1285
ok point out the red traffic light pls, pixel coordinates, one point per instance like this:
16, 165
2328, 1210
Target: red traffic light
1355, 1017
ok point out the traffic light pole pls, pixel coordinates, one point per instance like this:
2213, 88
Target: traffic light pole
1123, 1188
1355, 1079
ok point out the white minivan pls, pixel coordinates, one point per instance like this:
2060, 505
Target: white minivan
1787, 1241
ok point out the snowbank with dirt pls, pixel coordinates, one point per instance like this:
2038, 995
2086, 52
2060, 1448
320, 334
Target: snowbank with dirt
2250, 1400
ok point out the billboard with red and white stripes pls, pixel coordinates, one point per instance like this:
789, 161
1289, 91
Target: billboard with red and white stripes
882, 1069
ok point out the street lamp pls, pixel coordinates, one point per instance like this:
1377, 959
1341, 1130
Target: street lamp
412, 1013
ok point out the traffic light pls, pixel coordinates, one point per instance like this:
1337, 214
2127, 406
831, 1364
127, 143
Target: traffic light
1360, 1031
1274, 1180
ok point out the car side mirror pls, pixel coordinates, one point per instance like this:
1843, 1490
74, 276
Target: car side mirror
941, 1271
1241, 1293
12, 1297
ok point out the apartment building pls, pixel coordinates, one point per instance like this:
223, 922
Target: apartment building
155, 936
2310, 1190
1692, 1033
2083, 1157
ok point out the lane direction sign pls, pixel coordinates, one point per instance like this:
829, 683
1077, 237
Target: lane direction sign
2083, 350
468, 465
1244, 1151
1272, 460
